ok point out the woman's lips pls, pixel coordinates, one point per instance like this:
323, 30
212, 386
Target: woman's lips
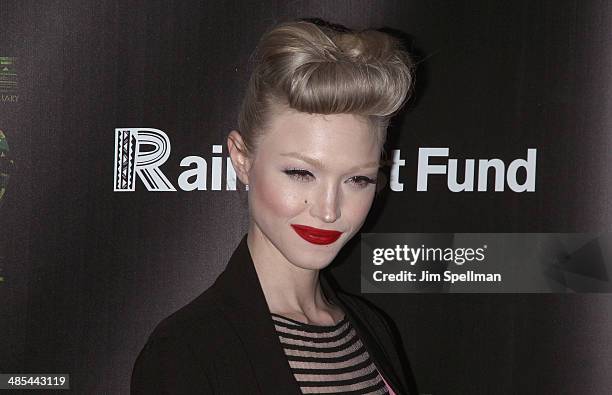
316, 235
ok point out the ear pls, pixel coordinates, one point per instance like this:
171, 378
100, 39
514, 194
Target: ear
239, 156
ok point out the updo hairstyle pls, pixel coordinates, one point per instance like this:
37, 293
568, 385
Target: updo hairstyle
325, 69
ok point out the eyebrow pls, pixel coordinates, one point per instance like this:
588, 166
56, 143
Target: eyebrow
317, 163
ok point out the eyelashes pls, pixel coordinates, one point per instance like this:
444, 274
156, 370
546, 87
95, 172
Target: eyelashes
298, 174
304, 176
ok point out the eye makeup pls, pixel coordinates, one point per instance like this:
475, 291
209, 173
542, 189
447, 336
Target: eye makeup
304, 175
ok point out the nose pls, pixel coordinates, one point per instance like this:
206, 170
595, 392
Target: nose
326, 203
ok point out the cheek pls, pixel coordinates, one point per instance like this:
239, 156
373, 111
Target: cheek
278, 195
357, 209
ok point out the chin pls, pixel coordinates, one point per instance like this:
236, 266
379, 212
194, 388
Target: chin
310, 265
312, 259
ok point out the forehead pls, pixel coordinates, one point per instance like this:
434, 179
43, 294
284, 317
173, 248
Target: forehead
345, 137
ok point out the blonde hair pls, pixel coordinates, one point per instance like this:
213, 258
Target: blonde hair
325, 69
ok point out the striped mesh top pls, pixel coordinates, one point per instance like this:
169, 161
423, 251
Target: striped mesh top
328, 359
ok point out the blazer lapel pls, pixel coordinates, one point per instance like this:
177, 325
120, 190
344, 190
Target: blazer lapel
242, 300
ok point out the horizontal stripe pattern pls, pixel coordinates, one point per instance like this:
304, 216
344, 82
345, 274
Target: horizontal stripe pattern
328, 359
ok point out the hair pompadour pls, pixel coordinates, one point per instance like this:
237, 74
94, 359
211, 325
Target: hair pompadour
323, 69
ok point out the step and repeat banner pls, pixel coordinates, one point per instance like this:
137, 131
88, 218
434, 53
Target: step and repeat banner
489, 247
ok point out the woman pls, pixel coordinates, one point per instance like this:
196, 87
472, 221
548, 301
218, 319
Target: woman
312, 128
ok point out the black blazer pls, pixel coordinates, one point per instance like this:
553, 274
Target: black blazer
224, 341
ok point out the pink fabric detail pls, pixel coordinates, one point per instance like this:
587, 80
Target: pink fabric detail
388, 387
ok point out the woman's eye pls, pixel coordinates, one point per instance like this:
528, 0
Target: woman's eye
363, 181
298, 174
305, 175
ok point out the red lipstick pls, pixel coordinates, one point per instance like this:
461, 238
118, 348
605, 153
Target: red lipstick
316, 235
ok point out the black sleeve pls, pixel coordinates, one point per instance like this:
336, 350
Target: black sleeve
167, 366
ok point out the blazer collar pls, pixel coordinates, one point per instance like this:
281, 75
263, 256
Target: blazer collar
242, 301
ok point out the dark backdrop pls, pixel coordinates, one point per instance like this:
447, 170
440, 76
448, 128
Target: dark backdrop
87, 272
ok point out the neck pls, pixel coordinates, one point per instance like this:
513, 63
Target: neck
288, 289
